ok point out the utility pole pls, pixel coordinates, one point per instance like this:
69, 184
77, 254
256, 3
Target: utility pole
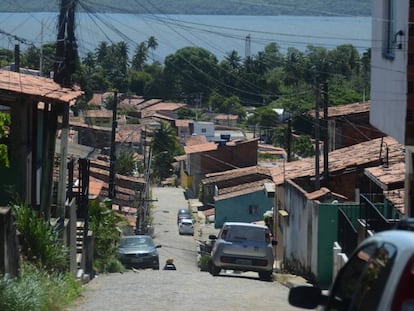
17, 58
66, 55
41, 50
66, 47
112, 160
326, 133
289, 140
317, 129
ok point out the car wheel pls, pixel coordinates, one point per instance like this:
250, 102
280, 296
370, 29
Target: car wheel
214, 270
266, 275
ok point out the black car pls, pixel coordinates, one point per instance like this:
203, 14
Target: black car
138, 251
183, 213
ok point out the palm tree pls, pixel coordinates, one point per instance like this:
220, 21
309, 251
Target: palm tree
140, 56
165, 147
123, 49
101, 51
233, 59
152, 44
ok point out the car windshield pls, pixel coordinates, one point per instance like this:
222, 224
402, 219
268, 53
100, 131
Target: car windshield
183, 212
136, 242
244, 234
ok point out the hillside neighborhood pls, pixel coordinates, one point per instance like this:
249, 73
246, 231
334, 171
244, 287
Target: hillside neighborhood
319, 208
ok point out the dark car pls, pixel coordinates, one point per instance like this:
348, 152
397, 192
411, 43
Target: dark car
138, 251
183, 213
379, 276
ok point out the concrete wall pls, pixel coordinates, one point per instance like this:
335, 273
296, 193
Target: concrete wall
389, 73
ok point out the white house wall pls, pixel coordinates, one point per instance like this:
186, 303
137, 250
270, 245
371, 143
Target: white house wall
388, 75
300, 234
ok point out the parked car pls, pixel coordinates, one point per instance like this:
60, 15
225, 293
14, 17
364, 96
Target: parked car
379, 275
183, 213
138, 251
186, 226
243, 247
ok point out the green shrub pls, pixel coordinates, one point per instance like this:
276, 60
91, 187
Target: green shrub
108, 265
39, 241
107, 227
204, 262
36, 289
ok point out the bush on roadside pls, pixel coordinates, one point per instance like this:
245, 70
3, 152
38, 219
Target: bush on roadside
107, 228
204, 263
39, 241
36, 289
108, 265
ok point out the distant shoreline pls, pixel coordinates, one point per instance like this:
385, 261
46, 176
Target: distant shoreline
194, 14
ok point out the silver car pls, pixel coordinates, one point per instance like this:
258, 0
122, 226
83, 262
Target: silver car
378, 276
243, 247
186, 226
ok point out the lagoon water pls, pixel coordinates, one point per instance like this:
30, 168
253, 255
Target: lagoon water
219, 34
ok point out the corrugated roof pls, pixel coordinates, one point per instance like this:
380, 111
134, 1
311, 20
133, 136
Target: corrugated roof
43, 89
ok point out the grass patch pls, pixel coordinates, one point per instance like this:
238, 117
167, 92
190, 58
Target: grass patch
37, 289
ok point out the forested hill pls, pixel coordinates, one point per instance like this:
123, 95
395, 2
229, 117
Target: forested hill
203, 7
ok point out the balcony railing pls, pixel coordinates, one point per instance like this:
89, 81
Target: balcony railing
374, 212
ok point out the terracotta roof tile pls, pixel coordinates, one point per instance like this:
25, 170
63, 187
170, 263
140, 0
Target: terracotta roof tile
388, 178
43, 89
341, 159
343, 110
235, 173
182, 123
200, 148
195, 140
165, 106
241, 189
226, 117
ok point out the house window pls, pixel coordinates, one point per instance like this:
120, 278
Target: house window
253, 210
389, 28
203, 130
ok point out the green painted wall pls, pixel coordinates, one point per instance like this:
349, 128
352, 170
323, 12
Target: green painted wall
327, 235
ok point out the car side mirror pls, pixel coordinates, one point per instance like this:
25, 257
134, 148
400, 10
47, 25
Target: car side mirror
158, 246
212, 237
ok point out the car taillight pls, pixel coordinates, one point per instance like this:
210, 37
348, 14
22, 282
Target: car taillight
404, 294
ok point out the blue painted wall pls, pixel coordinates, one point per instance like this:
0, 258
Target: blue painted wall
237, 208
